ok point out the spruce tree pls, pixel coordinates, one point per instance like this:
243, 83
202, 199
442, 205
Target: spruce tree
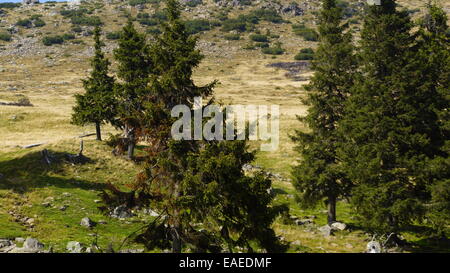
133, 71
98, 104
318, 175
434, 53
205, 200
391, 127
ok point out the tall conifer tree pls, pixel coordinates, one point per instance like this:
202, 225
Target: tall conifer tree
206, 201
319, 176
98, 104
133, 71
434, 54
391, 126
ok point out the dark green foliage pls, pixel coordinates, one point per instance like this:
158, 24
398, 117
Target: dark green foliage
391, 125
86, 21
98, 104
274, 50
68, 36
193, 3
9, 5
199, 25
5, 36
52, 40
24, 23
191, 181
247, 22
113, 35
307, 33
134, 67
305, 54
434, 55
142, 2
259, 38
39, 22
77, 29
232, 37
318, 176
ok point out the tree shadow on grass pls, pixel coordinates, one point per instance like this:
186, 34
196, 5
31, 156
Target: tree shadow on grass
30, 171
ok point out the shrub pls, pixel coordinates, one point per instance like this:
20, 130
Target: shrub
39, 22
308, 34
77, 29
194, 3
198, 25
154, 30
305, 54
232, 37
262, 45
87, 21
276, 50
9, 5
51, 40
5, 36
24, 23
68, 36
113, 35
259, 38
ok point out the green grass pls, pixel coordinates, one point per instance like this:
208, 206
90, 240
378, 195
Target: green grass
28, 183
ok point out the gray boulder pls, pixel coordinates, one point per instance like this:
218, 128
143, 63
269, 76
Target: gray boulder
122, 212
31, 243
338, 226
374, 247
87, 222
326, 230
75, 247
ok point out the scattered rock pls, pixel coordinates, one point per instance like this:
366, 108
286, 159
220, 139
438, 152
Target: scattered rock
97, 201
122, 212
63, 207
32, 243
87, 222
297, 243
75, 247
5, 243
326, 230
301, 222
373, 247
338, 226
19, 240
46, 204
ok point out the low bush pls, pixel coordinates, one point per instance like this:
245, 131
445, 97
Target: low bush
259, 38
305, 54
5, 36
52, 40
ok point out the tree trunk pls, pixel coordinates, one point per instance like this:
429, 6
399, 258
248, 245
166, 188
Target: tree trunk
331, 209
98, 131
176, 241
131, 144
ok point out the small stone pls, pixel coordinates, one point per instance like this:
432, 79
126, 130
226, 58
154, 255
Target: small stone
301, 222
373, 247
5, 243
30, 221
66, 194
46, 204
338, 226
19, 240
326, 230
297, 243
349, 246
32, 243
87, 222
75, 247
63, 207
97, 201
